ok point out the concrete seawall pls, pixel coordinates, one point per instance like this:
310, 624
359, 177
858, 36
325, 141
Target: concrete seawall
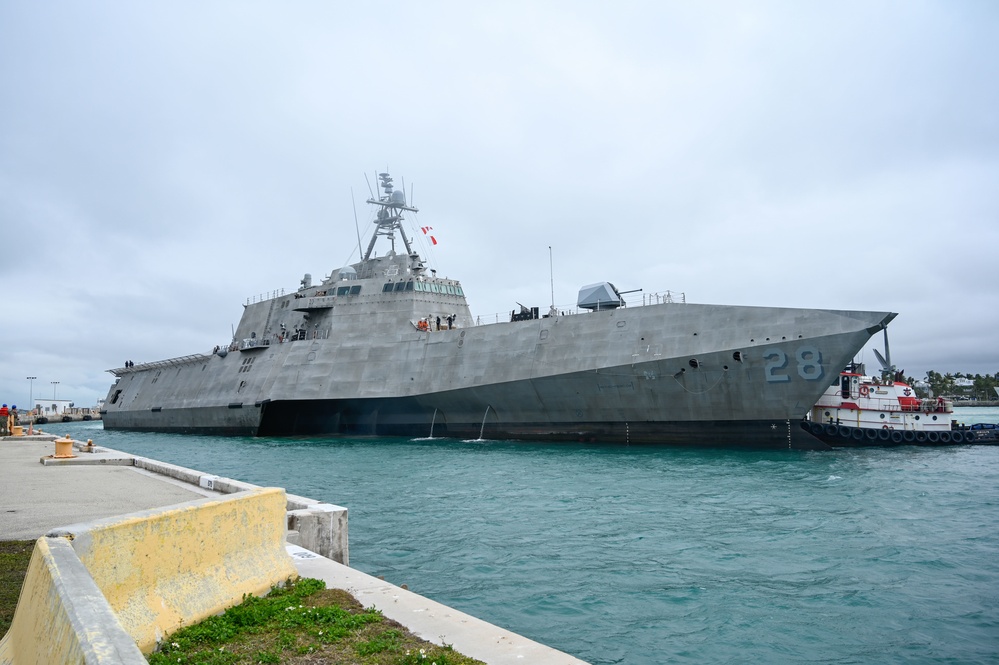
106, 588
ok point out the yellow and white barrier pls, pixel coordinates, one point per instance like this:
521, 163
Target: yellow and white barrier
145, 574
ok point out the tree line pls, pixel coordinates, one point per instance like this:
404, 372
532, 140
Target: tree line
946, 384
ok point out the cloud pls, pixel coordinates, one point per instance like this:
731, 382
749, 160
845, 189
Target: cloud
161, 164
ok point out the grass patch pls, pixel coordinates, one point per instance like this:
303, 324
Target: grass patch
14, 558
302, 623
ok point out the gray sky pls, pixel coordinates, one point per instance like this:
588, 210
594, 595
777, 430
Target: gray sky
160, 163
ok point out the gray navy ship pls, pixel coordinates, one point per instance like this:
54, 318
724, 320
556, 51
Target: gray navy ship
386, 347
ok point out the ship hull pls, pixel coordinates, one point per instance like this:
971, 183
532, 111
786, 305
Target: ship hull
406, 418
673, 375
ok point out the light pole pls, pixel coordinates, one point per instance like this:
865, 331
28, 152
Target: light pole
54, 385
31, 392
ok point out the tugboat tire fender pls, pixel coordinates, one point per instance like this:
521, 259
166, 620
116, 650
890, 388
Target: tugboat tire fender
909, 436
957, 437
921, 436
896, 436
945, 437
870, 434
933, 437
884, 434
857, 434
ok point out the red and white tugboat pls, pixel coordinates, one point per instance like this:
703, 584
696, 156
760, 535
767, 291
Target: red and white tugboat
862, 410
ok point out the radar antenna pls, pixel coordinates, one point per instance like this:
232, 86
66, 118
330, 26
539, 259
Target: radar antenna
389, 218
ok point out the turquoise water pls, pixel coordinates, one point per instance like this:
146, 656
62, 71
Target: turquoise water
648, 555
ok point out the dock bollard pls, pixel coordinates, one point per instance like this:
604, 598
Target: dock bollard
16, 430
64, 448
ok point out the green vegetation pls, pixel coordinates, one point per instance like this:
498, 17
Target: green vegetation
14, 558
302, 623
947, 384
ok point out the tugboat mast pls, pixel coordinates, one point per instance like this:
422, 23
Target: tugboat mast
389, 217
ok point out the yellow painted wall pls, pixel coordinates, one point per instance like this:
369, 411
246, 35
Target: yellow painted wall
40, 610
62, 616
110, 585
184, 564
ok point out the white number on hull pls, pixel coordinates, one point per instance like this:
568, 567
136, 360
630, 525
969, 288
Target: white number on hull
809, 364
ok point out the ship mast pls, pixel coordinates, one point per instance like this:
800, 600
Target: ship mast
389, 217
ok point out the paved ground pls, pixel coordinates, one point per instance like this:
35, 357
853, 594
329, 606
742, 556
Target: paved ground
35, 498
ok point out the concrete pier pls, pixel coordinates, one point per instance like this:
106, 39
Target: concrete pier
97, 493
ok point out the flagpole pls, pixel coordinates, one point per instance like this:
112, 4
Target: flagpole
551, 272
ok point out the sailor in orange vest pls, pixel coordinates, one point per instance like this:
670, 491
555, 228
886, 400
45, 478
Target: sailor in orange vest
4, 418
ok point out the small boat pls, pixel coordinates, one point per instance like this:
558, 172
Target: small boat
859, 410
862, 410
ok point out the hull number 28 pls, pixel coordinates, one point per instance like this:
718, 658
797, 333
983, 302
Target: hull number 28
808, 362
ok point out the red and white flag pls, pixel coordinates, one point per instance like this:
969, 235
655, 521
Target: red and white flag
426, 231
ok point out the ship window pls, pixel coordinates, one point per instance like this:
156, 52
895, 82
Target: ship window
400, 286
342, 290
409, 285
354, 290
434, 288
114, 399
386, 287
418, 286
459, 291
